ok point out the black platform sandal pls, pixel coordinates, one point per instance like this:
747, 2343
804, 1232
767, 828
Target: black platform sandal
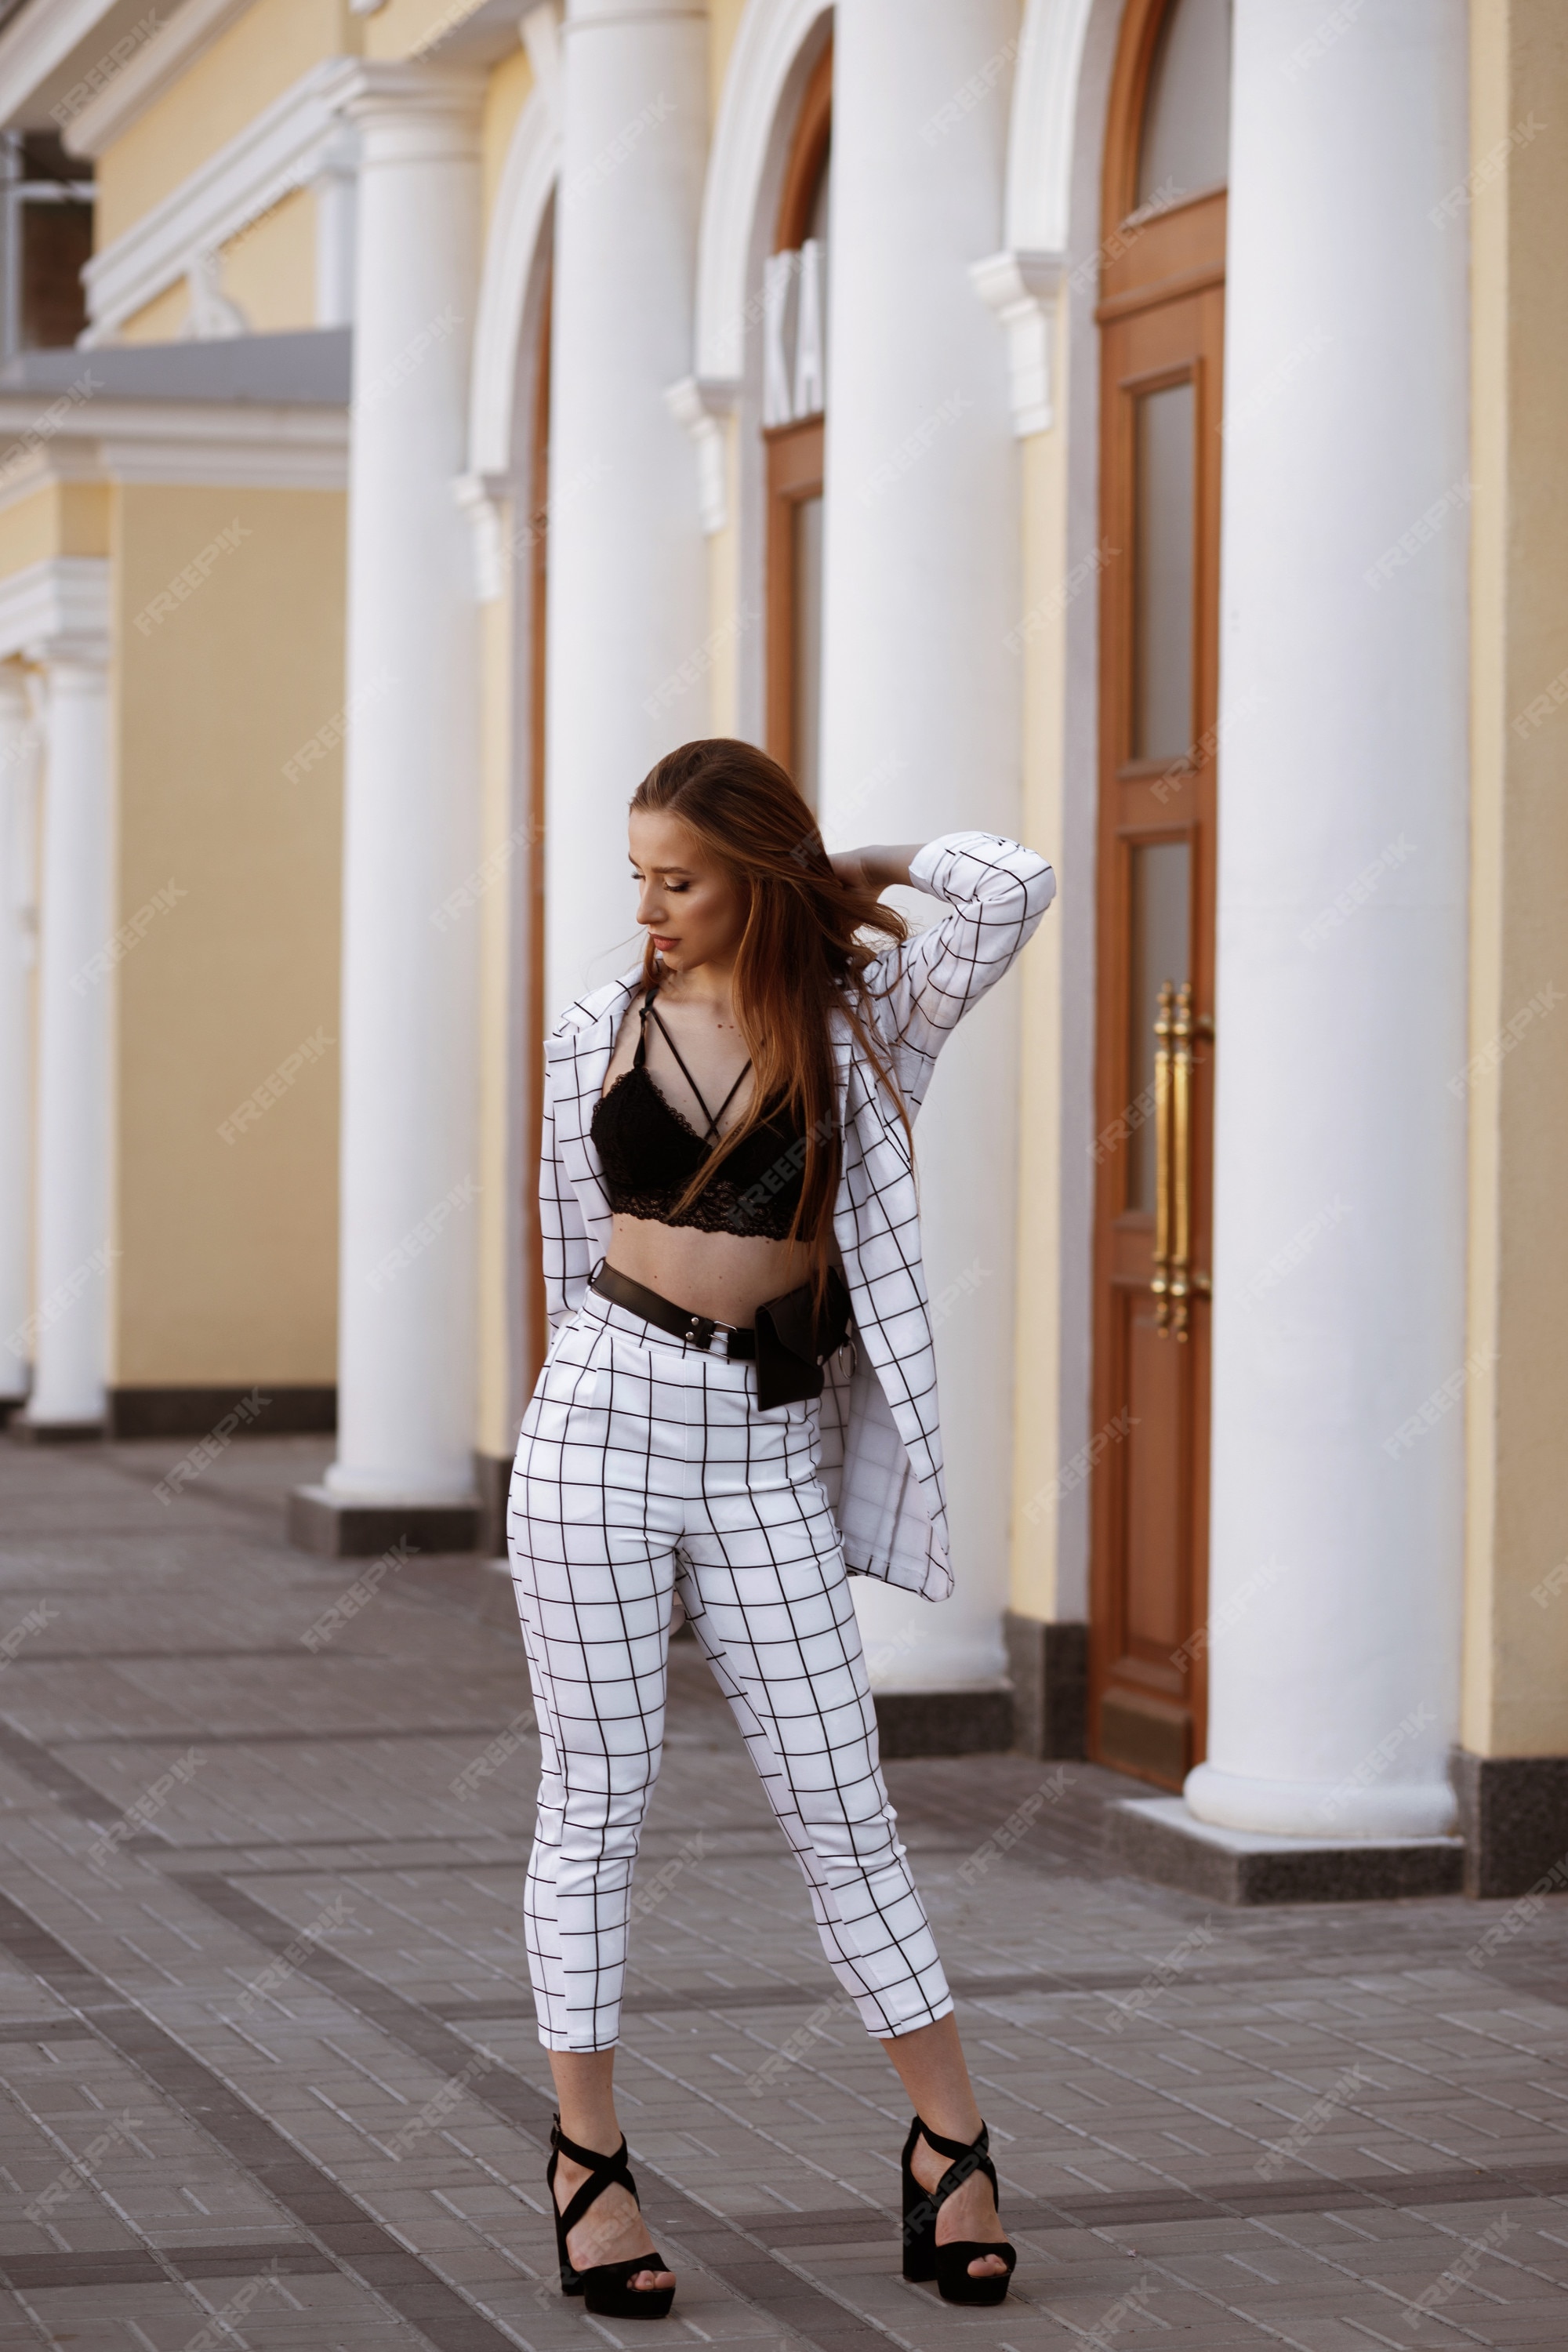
949, 2263
605, 2287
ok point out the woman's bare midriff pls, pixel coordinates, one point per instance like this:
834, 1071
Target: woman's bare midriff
726, 1275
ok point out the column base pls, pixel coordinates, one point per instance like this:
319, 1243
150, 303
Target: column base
1048, 1668
23, 1430
974, 1722
336, 1528
492, 1476
1157, 1837
1514, 1811
9, 1405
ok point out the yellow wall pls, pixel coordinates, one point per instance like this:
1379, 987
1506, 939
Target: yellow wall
723, 24
507, 90
1516, 1648
1036, 1364
269, 269
60, 519
406, 28
165, 319
263, 54
228, 1271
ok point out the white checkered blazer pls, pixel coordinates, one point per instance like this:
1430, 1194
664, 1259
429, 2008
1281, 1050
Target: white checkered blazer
881, 1443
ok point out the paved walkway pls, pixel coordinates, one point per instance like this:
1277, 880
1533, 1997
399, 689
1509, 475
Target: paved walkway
267, 2047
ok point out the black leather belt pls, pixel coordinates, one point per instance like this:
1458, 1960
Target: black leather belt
664, 1315
790, 1342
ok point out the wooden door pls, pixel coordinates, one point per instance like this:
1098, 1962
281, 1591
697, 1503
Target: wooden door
1162, 317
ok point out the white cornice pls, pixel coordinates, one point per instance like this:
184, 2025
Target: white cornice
1021, 290
144, 77
274, 154
60, 607
36, 45
217, 445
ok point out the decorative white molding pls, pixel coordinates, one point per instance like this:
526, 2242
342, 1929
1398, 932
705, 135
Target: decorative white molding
701, 404
274, 155
483, 499
57, 609
217, 445
142, 80
512, 250
1040, 132
540, 34
213, 315
1021, 289
767, 46
38, 43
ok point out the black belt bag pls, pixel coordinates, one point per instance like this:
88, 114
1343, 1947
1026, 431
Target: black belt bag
790, 1342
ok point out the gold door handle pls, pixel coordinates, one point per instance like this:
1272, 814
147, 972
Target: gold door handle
1160, 1281
1181, 1160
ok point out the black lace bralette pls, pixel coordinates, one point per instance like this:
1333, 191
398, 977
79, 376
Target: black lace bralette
649, 1154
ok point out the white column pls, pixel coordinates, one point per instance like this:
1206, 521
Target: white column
17, 949
921, 719
1340, 1006
411, 838
335, 185
628, 632
69, 1320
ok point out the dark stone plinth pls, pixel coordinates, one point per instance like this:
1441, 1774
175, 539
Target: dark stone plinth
945, 1723
192, 1411
1513, 1813
1048, 1668
23, 1430
1157, 1837
323, 1523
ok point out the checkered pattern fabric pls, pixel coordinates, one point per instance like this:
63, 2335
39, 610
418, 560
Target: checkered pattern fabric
645, 1467
881, 1441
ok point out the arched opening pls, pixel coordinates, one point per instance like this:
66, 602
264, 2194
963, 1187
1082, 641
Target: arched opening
794, 310
1161, 315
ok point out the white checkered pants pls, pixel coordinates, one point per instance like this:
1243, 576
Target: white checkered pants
644, 1464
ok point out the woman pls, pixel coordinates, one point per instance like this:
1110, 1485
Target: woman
728, 1178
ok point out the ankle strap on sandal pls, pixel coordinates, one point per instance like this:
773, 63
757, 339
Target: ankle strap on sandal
965, 2158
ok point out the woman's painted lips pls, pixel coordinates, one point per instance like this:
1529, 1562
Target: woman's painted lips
662, 943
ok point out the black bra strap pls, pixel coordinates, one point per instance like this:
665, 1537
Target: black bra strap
641, 1058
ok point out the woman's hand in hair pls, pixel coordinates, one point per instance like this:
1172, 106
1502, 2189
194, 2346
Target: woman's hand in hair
877, 868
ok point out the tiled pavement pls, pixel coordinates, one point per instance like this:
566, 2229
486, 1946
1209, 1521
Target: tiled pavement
271, 2075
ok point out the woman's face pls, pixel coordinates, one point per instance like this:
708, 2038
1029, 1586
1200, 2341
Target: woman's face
689, 907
